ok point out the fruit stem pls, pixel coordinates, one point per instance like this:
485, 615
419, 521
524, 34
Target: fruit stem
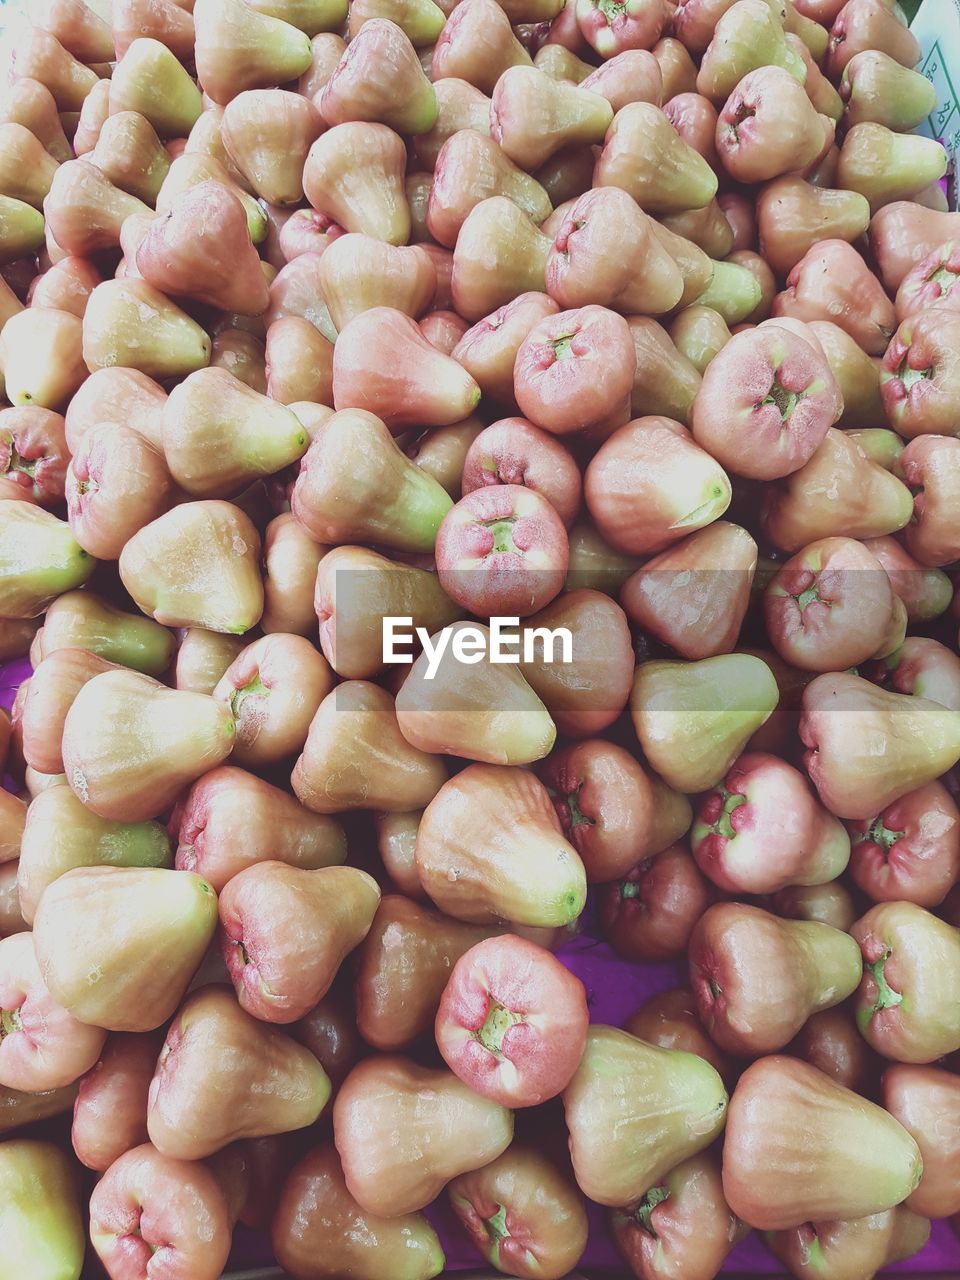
253, 686
887, 998
577, 817
786, 401
644, 1210
10, 1022
731, 801
498, 1022
502, 531
877, 833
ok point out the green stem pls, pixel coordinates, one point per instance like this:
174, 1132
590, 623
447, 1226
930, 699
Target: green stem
887, 998
502, 531
810, 596
498, 1022
563, 347
644, 1210
731, 802
786, 401
577, 817
254, 686
10, 1022
877, 833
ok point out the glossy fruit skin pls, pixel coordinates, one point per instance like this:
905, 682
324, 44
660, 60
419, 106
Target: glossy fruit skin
684, 1226
522, 1214
780, 1174
926, 1101
650, 913
319, 1230
911, 964
512, 1022
911, 851
444, 1129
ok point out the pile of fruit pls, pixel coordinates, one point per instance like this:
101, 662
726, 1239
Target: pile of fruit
338, 340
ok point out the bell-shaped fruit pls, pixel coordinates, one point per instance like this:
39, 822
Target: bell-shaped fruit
532, 116
840, 492
233, 820
635, 1111
42, 357
857, 375
867, 747
130, 323
666, 381
30, 103
500, 254
61, 833
43, 1046
153, 741
414, 384
768, 127
645, 156
693, 719
38, 55
285, 931
472, 168
161, 20
46, 699
147, 1203
607, 252
694, 596
761, 829
682, 1226
484, 712
922, 1099
266, 134
116, 395
202, 250
380, 78
650, 485
222, 1076
507, 860
197, 566
754, 1001
451, 1128
911, 961
355, 485
21, 229
355, 174
151, 80
477, 44
793, 216
26, 167
130, 154
356, 589
876, 89
852, 1247
98, 932
359, 273
699, 334
885, 166
39, 559
832, 282
219, 435
238, 48
747, 36
346, 1238
82, 620
800, 1147
192, 168
355, 756
40, 1213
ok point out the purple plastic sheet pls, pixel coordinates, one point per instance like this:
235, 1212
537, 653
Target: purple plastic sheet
615, 989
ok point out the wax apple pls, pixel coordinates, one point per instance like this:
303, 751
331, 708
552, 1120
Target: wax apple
931, 467
232, 820
40, 1219
403, 967
700, 333
472, 168
486, 711
43, 1046
512, 1022
669, 1019
867, 747
110, 1114
867, 500
666, 381
574, 369
354, 174
904, 233
684, 1225
917, 375
489, 349
911, 851
645, 156
514, 452
800, 1147
852, 1247
635, 1111
267, 1082
502, 548
285, 931
606, 250
869, 24
138, 912
755, 1001
829, 607
768, 127
926, 1101
911, 961
61, 833
522, 1214
83, 620
511, 860
345, 1237
885, 166
40, 559
930, 283
148, 1204
830, 1041
612, 811
478, 45
650, 485
761, 829
925, 592
649, 914
48, 698
693, 719
445, 1130
587, 694
387, 499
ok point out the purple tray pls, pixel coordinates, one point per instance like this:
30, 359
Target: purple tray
615, 989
